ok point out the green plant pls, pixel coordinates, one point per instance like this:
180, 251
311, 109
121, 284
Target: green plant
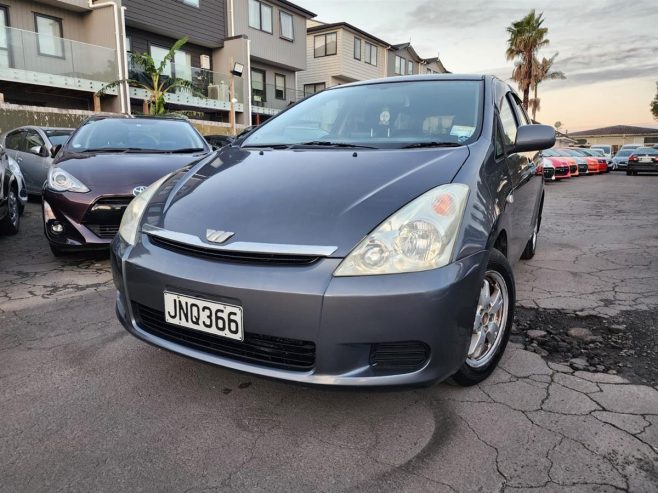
541, 72
152, 79
526, 37
654, 104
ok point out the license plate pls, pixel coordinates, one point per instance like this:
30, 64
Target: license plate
211, 317
645, 159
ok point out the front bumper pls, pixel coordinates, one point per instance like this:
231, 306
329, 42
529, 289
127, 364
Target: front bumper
86, 224
345, 318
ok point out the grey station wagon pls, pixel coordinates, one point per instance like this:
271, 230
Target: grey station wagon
364, 236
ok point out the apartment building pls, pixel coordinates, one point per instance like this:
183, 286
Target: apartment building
58, 53
270, 37
339, 53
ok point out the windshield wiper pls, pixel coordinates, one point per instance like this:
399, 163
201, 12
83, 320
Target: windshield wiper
186, 150
326, 143
267, 146
431, 144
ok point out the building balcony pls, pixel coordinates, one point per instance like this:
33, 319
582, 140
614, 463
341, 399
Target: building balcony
32, 58
271, 100
208, 91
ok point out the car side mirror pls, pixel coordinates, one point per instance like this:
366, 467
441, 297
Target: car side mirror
44, 152
2, 149
534, 138
54, 150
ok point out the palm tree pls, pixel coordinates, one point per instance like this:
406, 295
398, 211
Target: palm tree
526, 37
541, 72
152, 79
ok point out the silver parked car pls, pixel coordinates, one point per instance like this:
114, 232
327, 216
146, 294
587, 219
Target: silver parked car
20, 180
31, 147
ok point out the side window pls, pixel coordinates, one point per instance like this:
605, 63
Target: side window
520, 112
33, 140
509, 122
13, 140
498, 141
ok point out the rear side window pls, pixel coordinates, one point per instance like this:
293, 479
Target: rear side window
509, 123
13, 141
499, 143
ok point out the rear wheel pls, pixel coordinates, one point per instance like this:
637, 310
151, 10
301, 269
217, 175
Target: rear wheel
493, 321
11, 223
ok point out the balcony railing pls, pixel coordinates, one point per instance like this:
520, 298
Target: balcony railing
272, 99
208, 89
33, 58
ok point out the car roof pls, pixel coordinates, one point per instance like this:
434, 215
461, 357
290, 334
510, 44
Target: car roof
416, 78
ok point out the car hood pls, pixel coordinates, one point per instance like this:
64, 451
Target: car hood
119, 174
319, 197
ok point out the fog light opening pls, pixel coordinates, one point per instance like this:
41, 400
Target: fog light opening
56, 227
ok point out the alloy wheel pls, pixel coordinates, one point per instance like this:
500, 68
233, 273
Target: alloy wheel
490, 319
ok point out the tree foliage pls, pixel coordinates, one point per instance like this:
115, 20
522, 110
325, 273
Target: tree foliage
526, 38
542, 70
654, 104
152, 79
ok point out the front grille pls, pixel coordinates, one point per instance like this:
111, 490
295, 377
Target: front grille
573, 168
105, 231
399, 356
104, 216
274, 352
231, 256
549, 172
561, 171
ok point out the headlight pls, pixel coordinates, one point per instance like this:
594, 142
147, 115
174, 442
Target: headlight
420, 236
133, 213
62, 181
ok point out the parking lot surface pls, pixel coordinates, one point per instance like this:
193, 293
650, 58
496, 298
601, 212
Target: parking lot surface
84, 406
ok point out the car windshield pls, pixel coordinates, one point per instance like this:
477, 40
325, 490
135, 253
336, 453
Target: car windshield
57, 137
574, 153
646, 151
136, 135
603, 149
596, 152
624, 153
388, 115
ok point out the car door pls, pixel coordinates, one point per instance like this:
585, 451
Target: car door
521, 173
34, 165
15, 145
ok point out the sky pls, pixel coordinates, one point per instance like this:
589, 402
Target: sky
608, 49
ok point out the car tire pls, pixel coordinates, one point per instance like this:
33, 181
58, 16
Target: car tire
11, 223
629, 172
482, 360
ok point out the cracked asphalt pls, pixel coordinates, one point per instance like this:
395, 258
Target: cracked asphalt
86, 407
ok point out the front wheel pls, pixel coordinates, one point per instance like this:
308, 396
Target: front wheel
11, 223
493, 321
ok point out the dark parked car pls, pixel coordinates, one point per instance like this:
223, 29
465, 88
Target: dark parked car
643, 159
365, 236
31, 147
10, 216
104, 165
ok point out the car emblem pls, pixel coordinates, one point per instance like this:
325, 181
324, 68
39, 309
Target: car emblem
138, 190
216, 236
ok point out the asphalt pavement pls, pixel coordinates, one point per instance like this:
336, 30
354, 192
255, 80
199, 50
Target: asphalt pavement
84, 406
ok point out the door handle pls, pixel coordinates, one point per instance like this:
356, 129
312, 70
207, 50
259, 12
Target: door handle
510, 199
19, 159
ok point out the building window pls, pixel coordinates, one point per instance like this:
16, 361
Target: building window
357, 49
287, 30
371, 54
325, 45
313, 88
49, 38
410, 68
182, 66
279, 86
400, 65
258, 86
260, 16
4, 42
192, 3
